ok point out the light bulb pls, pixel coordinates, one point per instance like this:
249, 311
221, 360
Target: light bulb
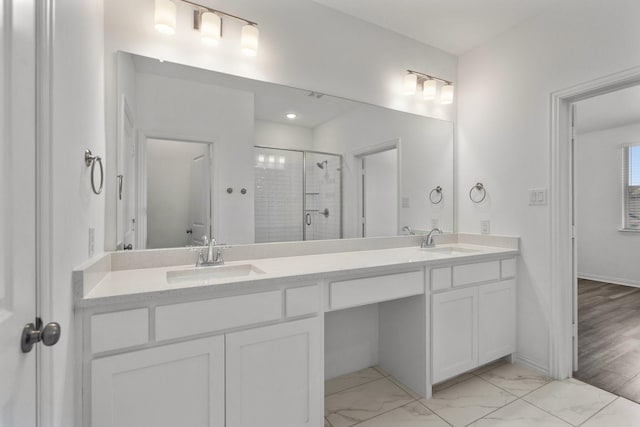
410, 84
429, 89
272, 159
281, 160
210, 28
446, 94
165, 16
249, 40
261, 158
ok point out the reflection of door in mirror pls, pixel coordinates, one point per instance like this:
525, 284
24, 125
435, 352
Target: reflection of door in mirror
380, 194
126, 179
178, 193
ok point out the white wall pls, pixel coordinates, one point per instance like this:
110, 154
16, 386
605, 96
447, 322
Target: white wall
426, 161
278, 135
78, 123
181, 109
503, 131
604, 253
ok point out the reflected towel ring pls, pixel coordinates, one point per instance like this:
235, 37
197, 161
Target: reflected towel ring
437, 190
480, 188
91, 160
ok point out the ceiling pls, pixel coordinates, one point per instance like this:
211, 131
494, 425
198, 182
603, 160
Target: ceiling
454, 26
614, 109
272, 101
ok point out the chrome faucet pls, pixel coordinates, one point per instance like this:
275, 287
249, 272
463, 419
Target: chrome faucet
408, 230
428, 242
212, 255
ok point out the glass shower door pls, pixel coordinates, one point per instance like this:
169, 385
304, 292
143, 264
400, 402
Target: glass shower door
323, 188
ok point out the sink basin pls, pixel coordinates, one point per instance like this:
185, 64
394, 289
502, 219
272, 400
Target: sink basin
213, 273
447, 250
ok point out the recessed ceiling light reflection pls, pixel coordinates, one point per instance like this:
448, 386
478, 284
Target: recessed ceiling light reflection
291, 116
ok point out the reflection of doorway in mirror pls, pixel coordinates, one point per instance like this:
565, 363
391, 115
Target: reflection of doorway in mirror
178, 193
380, 193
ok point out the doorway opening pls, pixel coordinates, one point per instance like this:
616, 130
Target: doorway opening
378, 190
606, 216
563, 332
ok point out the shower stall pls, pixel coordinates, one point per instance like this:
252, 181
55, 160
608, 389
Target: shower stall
298, 195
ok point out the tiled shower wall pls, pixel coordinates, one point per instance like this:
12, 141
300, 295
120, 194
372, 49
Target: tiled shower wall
279, 188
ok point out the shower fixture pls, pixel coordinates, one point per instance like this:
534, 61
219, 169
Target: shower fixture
322, 164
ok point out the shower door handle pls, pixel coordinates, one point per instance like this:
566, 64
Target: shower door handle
308, 216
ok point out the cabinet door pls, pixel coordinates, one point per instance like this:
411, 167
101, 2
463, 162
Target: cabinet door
497, 320
455, 333
173, 385
275, 376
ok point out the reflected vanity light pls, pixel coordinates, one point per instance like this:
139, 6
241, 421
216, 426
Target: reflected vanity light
208, 22
261, 158
291, 116
272, 159
414, 79
281, 160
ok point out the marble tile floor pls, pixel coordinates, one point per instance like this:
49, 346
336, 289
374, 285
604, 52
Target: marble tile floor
499, 394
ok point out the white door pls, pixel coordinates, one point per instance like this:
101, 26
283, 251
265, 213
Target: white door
380, 194
173, 385
17, 211
497, 321
455, 332
275, 376
200, 196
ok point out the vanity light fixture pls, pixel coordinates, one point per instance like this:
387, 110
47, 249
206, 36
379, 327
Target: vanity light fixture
261, 158
410, 84
208, 22
291, 116
446, 94
165, 17
414, 79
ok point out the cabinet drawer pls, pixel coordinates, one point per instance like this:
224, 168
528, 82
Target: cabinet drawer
198, 317
476, 273
111, 331
508, 268
440, 278
303, 300
369, 290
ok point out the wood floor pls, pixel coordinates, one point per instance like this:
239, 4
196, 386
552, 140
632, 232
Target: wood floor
609, 337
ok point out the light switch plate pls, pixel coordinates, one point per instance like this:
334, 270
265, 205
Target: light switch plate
485, 226
537, 197
406, 202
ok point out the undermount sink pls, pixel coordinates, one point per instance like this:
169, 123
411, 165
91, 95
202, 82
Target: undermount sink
448, 250
213, 273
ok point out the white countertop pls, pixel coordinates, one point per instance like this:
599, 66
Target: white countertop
133, 284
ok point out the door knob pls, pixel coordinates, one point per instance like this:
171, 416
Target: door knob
49, 335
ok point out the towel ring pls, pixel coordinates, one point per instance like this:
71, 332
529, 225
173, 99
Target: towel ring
437, 190
480, 188
91, 160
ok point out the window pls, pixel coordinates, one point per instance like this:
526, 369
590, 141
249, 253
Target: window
632, 187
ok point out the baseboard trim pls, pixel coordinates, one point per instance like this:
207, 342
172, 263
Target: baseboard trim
612, 280
533, 364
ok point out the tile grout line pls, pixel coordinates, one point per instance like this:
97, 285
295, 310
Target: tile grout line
600, 410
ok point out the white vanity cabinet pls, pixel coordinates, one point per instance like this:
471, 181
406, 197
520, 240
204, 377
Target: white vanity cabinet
472, 324
264, 368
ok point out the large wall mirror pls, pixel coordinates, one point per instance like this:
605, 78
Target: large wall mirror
204, 153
